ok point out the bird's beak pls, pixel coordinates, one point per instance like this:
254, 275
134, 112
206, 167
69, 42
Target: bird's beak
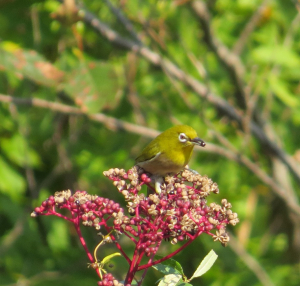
198, 141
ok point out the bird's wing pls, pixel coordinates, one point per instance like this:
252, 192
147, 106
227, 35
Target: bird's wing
148, 153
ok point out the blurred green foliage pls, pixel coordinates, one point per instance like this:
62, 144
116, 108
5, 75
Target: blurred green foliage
48, 52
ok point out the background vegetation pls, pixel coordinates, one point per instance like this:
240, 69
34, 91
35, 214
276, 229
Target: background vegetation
85, 85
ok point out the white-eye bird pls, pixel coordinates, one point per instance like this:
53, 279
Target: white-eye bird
169, 152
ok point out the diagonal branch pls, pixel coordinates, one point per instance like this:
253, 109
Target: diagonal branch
121, 17
255, 169
117, 124
250, 261
110, 122
249, 28
193, 84
229, 60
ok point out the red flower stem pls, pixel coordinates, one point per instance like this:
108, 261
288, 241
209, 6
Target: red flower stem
150, 187
120, 248
130, 237
150, 261
138, 261
137, 214
59, 215
209, 233
133, 265
191, 217
166, 257
76, 222
143, 276
122, 251
147, 221
191, 236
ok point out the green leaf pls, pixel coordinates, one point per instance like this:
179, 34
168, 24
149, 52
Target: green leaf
107, 258
29, 64
58, 237
280, 90
205, 264
279, 55
11, 183
93, 85
170, 280
17, 150
169, 266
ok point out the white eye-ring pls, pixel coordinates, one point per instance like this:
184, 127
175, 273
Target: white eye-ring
182, 137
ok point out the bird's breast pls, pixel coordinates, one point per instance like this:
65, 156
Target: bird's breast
165, 163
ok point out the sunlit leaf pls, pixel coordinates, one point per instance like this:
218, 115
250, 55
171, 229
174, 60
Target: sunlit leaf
170, 280
205, 264
280, 90
181, 283
279, 55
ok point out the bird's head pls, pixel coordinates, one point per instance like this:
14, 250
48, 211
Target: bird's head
181, 136
187, 136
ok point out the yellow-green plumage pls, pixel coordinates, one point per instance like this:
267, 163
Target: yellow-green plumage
170, 151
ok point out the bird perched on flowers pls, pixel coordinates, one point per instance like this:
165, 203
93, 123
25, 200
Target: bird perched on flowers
169, 152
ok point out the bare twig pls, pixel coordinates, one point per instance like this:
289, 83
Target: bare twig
251, 100
249, 28
254, 168
250, 261
280, 171
121, 17
36, 29
130, 73
10, 238
230, 61
192, 83
117, 124
197, 64
110, 122
38, 278
292, 29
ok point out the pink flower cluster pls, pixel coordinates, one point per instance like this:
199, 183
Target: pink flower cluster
178, 214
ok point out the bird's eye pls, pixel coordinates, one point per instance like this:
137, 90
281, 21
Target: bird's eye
182, 137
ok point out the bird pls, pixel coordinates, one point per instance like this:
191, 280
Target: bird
168, 153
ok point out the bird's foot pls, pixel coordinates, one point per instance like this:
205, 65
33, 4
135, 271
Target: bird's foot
158, 182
